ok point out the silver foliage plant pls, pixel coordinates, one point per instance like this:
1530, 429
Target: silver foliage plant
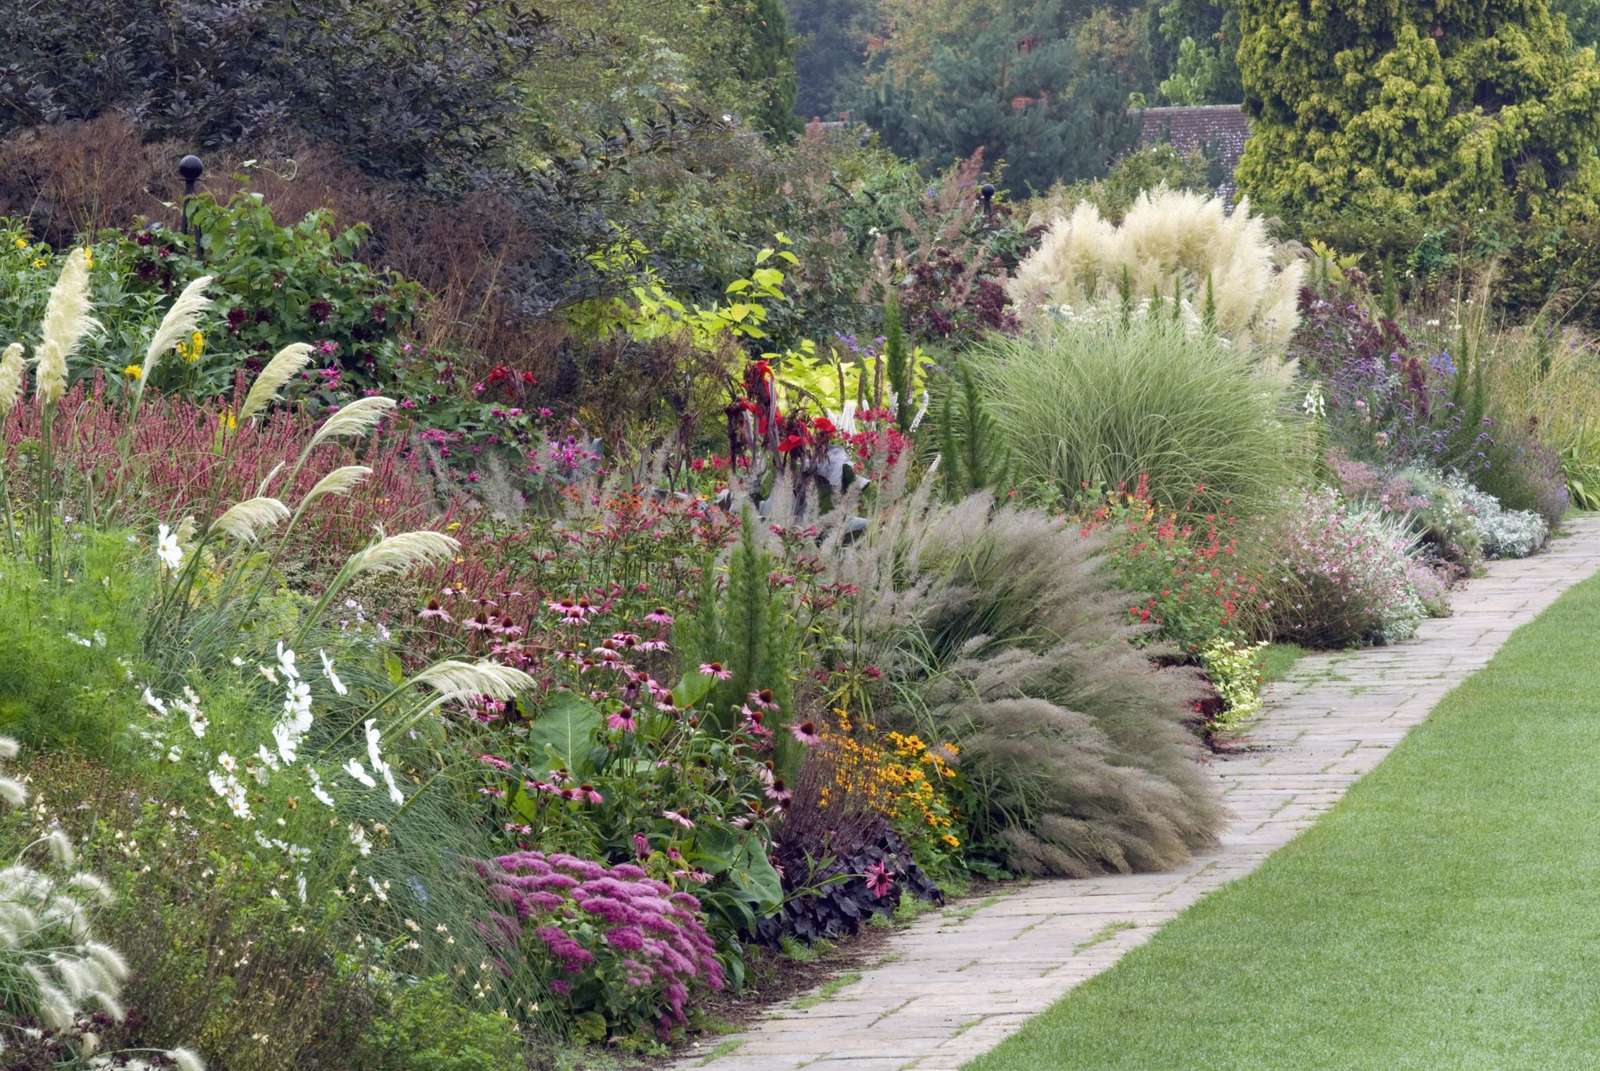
998, 627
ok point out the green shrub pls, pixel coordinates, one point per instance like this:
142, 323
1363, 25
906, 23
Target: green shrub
1091, 405
423, 1027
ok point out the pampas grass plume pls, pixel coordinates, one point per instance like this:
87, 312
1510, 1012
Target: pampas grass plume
284, 366
249, 518
341, 481
353, 421
11, 370
397, 553
467, 680
187, 1060
66, 321
176, 326
8, 748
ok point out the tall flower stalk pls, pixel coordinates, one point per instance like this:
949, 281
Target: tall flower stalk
66, 322
12, 371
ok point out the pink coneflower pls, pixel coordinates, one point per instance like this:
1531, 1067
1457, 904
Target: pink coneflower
433, 612
806, 733
665, 704
509, 627
777, 793
480, 623
674, 816
659, 616
655, 645
625, 640
752, 724
495, 761
641, 845
716, 669
879, 881
762, 700
590, 794
624, 720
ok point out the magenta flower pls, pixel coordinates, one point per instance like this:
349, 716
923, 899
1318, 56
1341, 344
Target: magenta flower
674, 816
879, 881
433, 612
716, 669
806, 733
659, 616
623, 719
762, 700
641, 845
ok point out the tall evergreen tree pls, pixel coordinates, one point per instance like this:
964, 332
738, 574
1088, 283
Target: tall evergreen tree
1413, 106
769, 69
830, 54
1013, 85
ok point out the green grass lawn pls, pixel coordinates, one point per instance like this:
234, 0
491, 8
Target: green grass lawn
1445, 915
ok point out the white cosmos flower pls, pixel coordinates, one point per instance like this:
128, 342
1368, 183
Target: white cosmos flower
316, 787
355, 770
167, 550
333, 678
358, 837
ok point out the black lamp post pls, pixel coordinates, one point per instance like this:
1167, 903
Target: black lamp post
190, 169
986, 191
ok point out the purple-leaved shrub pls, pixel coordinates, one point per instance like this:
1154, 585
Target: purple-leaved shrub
610, 941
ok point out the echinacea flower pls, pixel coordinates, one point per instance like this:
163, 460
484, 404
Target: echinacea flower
674, 816
659, 616
879, 881
433, 612
623, 719
806, 733
716, 670
762, 700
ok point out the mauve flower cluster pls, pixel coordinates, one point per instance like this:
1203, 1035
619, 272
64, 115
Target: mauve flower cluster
1342, 575
620, 939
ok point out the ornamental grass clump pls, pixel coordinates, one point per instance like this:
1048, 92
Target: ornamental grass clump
998, 628
1342, 574
1091, 406
1171, 243
626, 952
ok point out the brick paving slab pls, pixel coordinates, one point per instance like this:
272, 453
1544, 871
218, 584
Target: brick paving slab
954, 984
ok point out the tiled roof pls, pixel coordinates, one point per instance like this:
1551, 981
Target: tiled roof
1218, 130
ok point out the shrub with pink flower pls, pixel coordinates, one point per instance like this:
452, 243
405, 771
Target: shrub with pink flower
1342, 575
609, 941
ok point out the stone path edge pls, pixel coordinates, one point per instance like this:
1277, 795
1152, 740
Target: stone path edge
957, 982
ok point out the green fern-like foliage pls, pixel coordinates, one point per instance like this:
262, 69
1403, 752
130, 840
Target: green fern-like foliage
748, 628
972, 454
898, 361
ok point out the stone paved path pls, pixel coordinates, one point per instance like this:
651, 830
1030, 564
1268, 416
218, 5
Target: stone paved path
954, 983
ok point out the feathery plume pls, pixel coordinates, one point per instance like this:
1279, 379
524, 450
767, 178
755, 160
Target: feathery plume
61, 847
108, 958
8, 748
11, 370
468, 680
93, 884
187, 1060
249, 518
13, 792
66, 321
283, 367
341, 481
178, 323
353, 421
397, 553
266, 481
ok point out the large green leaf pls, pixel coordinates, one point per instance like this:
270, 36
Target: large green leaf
563, 732
752, 874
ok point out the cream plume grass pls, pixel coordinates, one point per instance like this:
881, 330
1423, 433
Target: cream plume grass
11, 371
66, 321
13, 792
176, 326
468, 680
284, 366
9, 747
187, 1060
247, 520
341, 481
267, 482
353, 421
398, 553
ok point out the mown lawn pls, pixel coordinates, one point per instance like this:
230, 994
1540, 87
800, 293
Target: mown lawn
1445, 915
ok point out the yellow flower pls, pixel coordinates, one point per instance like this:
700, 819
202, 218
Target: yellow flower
133, 371
40, 262
191, 350
952, 840
227, 419
88, 257
22, 243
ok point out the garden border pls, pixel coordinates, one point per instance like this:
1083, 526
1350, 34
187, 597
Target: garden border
955, 983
